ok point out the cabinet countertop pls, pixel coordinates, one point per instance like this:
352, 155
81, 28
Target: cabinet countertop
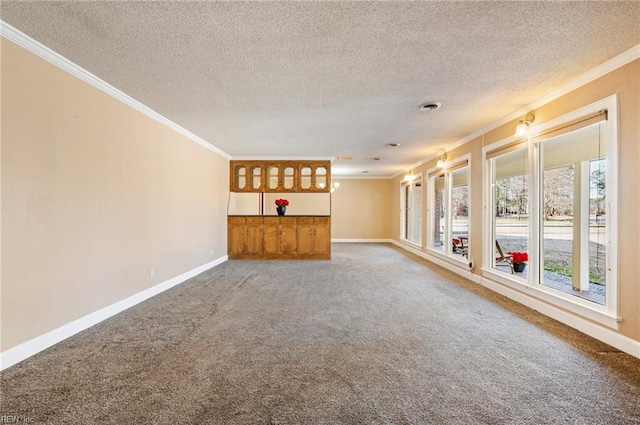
275, 215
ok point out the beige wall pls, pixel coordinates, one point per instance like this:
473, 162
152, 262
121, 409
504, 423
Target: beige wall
361, 209
94, 195
625, 82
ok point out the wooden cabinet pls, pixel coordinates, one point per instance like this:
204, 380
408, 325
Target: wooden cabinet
314, 177
247, 176
294, 237
279, 237
244, 236
280, 176
314, 236
322, 236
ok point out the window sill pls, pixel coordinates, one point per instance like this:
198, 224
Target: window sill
457, 259
411, 244
548, 296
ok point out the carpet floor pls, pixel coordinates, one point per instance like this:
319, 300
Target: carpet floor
374, 336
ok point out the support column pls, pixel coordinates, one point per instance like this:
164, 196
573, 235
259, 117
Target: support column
580, 279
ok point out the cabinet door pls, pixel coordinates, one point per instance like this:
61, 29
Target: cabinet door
236, 239
321, 239
305, 239
253, 240
321, 178
271, 239
288, 236
305, 179
273, 178
239, 177
289, 177
257, 177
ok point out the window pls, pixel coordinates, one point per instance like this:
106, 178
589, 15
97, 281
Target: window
510, 204
573, 213
554, 198
411, 205
460, 211
438, 219
449, 212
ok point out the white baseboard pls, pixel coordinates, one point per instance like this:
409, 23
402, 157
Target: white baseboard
360, 240
29, 348
590, 328
455, 268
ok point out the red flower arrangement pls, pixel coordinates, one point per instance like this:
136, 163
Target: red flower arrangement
282, 202
519, 257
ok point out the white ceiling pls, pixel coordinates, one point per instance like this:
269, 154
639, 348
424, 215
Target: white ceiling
330, 79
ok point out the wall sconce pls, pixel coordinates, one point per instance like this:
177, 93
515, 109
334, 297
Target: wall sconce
409, 177
441, 161
521, 129
334, 186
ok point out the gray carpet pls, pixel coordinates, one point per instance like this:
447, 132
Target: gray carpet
375, 336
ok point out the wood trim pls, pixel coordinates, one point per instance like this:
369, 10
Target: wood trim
503, 150
574, 125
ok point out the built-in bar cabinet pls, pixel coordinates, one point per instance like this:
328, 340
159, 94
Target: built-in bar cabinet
255, 232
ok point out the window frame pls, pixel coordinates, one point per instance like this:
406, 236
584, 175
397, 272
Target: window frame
406, 200
489, 253
447, 170
606, 314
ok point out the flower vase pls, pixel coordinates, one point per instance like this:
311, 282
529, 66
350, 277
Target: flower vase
519, 267
281, 209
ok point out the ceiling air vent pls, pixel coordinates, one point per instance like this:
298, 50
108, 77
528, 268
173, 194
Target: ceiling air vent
429, 106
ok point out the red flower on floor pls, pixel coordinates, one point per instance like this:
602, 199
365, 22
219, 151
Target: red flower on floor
519, 257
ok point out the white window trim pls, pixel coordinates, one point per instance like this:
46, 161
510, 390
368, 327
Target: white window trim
401, 230
431, 212
446, 252
409, 184
608, 314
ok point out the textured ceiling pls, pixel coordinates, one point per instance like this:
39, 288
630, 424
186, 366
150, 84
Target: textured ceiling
329, 79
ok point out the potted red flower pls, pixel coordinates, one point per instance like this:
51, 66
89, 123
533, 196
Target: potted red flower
519, 260
281, 206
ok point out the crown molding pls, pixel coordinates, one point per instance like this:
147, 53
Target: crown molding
18, 37
416, 165
611, 65
37, 48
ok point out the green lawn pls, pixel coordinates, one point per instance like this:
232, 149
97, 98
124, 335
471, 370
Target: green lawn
568, 271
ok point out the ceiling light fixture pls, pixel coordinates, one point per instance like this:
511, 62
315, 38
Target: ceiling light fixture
523, 126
